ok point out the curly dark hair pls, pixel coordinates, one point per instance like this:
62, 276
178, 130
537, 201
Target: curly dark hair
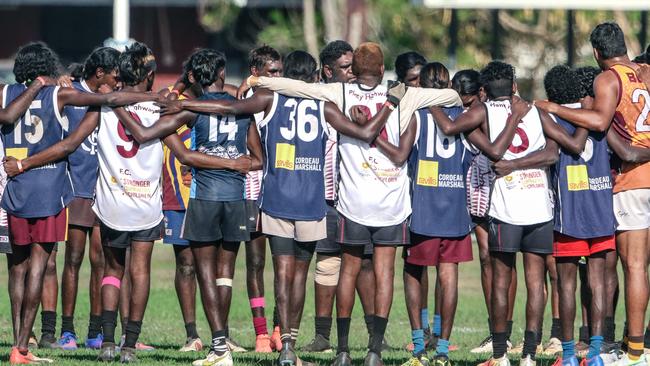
498, 78
608, 39
434, 75
136, 62
261, 55
332, 51
300, 65
466, 82
33, 60
406, 61
643, 58
205, 65
562, 85
587, 75
105, 58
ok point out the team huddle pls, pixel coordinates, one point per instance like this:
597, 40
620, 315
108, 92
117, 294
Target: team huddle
328, 159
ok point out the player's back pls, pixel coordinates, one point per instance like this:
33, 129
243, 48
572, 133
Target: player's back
128, 193
632, 122
39, 128
372, 191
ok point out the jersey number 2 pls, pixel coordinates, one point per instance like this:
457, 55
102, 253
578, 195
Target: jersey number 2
641, 125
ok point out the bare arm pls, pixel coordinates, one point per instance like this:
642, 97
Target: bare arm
366, 132
19, 106
59, 150
258, 102
538, 159
625, 151
598, 118
494, 150
574, 144
165, 126
255, 147
204, 161
449, 127
71, 96
399, 154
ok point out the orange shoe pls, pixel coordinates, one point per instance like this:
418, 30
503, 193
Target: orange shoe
263, 344
276, 342
17, 358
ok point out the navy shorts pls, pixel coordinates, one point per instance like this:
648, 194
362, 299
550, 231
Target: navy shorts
173, 227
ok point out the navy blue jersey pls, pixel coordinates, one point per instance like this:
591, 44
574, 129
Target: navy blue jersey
438, 175
224, 137
82, 162
293, 136
46, 190
583, 187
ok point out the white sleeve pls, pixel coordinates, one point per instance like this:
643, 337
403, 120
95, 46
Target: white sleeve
297, 88
416, 98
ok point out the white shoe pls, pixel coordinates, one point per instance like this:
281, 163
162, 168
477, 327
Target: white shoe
484, 347
527, 361
625, 361
609, 358
553, 347
234, 347
215, 360
503, 361
192, 345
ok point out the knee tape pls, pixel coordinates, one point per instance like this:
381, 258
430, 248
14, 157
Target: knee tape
327, 270
224, 282
111, 281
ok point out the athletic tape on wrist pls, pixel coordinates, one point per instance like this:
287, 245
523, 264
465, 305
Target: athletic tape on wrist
111, 281
224, 282
257, 302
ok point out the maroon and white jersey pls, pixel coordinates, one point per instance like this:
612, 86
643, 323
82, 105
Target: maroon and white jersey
253, 183
330, 167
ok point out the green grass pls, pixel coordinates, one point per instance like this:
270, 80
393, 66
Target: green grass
163, 324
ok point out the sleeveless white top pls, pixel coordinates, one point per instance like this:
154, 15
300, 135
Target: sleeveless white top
523, 196
128, 193
373, 191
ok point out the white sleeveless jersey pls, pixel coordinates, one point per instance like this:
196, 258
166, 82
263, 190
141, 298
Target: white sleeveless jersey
373, 191
523, 196
128, 194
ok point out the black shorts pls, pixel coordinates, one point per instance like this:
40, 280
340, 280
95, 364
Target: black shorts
122, 239
80, 213
303, 251
211, 221
253, 221
508, 238
351, 233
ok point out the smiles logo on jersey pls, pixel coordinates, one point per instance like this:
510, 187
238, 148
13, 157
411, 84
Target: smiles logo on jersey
577, 177
285, 156
427, 173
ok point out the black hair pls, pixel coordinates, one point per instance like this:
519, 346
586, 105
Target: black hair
466, 82
608, 39
587, 75
205, 65
105, 58
76, 70
434, 75
406, 61
562, 85
332, 51
33, 60
259, 56
643, 58
300, 65
498, 78
136, 62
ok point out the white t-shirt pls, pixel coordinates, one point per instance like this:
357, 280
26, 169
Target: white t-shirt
128, 193
372, 191
523, 196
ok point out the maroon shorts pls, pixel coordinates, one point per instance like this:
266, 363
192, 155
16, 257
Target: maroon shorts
568, 246
80, 213
429, 251
49, 229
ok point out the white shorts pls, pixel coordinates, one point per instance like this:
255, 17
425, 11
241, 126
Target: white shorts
302, 231
632, 209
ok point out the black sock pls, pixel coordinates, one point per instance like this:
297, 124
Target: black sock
48, 322
124, 323
646, 338
109, 323
227, 332
508, 329
530, 344
276, 317
67, 324
219, 345
343, 331
94, 326
539, 337
555, 328
490, 325
584, 334
499, 345
323, 326
190, 330
378, 330
610, 329
133, 329
369, 319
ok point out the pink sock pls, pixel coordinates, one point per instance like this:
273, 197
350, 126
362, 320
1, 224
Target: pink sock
260, 325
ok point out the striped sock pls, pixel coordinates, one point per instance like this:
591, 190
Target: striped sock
219, 345
635, 347
424, 318
294, 334
437, 325
442, 349
417, 335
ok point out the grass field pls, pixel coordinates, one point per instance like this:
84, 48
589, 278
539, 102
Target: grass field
163, 324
